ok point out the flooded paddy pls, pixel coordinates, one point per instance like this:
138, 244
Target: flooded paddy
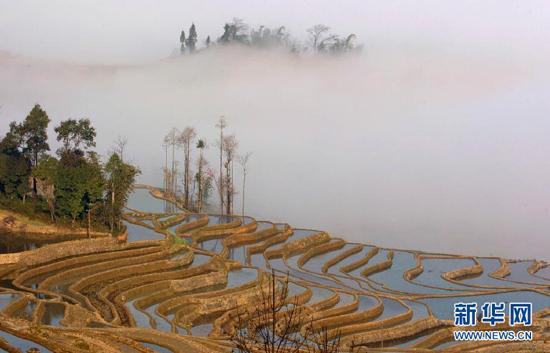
161, 282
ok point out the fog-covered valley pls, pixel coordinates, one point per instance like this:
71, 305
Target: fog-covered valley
441, 151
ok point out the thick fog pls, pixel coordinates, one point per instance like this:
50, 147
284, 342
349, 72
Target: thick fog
422, 144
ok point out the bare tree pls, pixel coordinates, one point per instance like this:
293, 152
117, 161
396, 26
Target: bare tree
271, 325
171, 139
234, 31
272, 322
120, 146
243, 161
184, 140
320, 38
229, 148
201, 165
165, 172
316, 35
222, 124
321, 342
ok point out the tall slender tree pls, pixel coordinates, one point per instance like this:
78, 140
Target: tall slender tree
243, 161
184, 140
120, 178
201, 165
192, 38
171, 140
35, 137
120, 146
165, 172
182, 42
34, 134
229, 148
222, 124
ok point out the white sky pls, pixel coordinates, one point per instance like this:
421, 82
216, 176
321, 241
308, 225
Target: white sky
123, 31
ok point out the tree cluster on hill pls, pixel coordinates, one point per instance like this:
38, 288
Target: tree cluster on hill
320, 39
200, 182
72, 185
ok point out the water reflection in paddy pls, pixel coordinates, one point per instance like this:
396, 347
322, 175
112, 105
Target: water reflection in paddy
138, 233
392, 307
315, 263
435, 267
263, 226
335, 269
216, 219
8, 297
201, 330
246, 219
258, 260
21, 343
53, 314
295, 289
155, 347
408, 342
200, 259
519, 273
26, 311
419, 310
179, 329
317, 277
142, 200
279, 265
142, 319
319, 294
301, 233
161, 323
212, 245
544, 273
238, 254
240, 277
345, 299
379, 257
393, 279
188, 219
367, 302
489, 265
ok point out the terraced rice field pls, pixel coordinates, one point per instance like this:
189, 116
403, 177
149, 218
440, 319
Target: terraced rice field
172, 286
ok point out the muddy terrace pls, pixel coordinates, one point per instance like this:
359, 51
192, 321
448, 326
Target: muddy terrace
174, 284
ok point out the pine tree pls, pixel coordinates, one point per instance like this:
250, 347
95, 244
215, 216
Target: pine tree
192, 38
182, 41
35, 137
